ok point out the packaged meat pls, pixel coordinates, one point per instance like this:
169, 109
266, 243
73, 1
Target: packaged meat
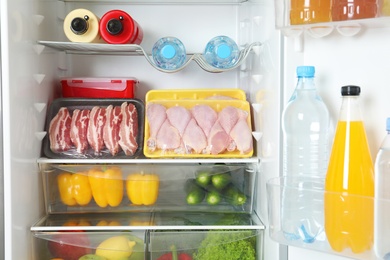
98, 87
196, 94
94, 128
198, 128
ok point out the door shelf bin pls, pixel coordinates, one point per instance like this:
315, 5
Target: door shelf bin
153, 234
75, 188
308, 194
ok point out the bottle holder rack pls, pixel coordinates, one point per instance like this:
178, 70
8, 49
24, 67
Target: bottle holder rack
307, 193
134, 49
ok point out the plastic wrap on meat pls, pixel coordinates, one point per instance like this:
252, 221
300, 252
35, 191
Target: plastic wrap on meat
242, 136
194, 138
79, 130
156, 115
112, 128
97, 120
168, 137
205, 117
59, 131
128, 129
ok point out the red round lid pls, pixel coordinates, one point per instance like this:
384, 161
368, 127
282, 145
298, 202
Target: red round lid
117, 27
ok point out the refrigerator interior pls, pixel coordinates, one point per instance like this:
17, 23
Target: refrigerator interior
31, 72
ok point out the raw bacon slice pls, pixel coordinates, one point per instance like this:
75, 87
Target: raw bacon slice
79, 130
128, 129
97, 120
59, 131
112, 128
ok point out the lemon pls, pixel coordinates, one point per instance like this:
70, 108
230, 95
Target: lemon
115, 248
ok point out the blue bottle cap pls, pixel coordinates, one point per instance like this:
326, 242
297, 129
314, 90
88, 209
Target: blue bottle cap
168, 51
305, 71
388, 124
224, 51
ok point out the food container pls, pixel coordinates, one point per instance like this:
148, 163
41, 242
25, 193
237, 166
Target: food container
86, 188
66, 148
191, 140
98, 87
195, 94
198, 235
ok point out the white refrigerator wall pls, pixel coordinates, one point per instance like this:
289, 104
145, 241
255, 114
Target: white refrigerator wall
30, 79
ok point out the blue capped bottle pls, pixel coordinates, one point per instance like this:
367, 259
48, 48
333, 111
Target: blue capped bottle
221, 52
306, 142
169, 53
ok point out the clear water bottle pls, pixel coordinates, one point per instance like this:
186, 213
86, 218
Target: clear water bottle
306, 142
169, 53
382, 198
221, 52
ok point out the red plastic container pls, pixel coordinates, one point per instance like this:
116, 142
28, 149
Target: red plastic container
118, 27
98, 87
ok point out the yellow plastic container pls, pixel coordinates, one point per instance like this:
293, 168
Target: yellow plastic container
195, 94
217, 105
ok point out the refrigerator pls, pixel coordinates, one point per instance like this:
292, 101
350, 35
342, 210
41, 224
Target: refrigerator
35, 55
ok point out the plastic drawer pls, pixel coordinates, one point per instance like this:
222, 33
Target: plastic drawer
164, 187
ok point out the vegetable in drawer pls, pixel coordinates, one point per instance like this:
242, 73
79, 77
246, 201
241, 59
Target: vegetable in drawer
142, 189
107, 186
74, 188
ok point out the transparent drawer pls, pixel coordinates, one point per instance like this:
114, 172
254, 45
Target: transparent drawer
197, 235
205, 245
300, 209
149, 188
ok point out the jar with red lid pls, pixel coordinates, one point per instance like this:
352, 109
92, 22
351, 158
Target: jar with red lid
118, 27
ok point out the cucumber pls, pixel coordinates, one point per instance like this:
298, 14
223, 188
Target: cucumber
203, 178
195, 193
234, 196
221, 180
213, 196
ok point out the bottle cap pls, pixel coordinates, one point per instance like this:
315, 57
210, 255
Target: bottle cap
350, 90
305, 71
223, 51
388, 124
114, 26
168, 51
79, 25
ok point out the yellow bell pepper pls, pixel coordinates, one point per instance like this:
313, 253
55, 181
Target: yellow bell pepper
74, 188
107, 186
142, 189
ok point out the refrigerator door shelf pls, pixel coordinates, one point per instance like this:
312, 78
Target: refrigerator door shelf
308, 193
134, 49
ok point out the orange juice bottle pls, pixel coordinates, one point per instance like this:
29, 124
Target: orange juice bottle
349, 184
354, 9
310, 11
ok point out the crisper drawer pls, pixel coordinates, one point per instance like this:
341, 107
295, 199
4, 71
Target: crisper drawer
146, 187
139, 236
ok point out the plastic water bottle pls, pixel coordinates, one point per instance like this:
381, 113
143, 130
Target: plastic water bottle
221, 52
382, 198
169, 53
306, 141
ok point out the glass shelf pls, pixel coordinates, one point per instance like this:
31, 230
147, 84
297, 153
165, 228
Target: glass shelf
137, 50
160, 1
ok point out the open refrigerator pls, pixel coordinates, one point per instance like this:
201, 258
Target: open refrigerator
36, 55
